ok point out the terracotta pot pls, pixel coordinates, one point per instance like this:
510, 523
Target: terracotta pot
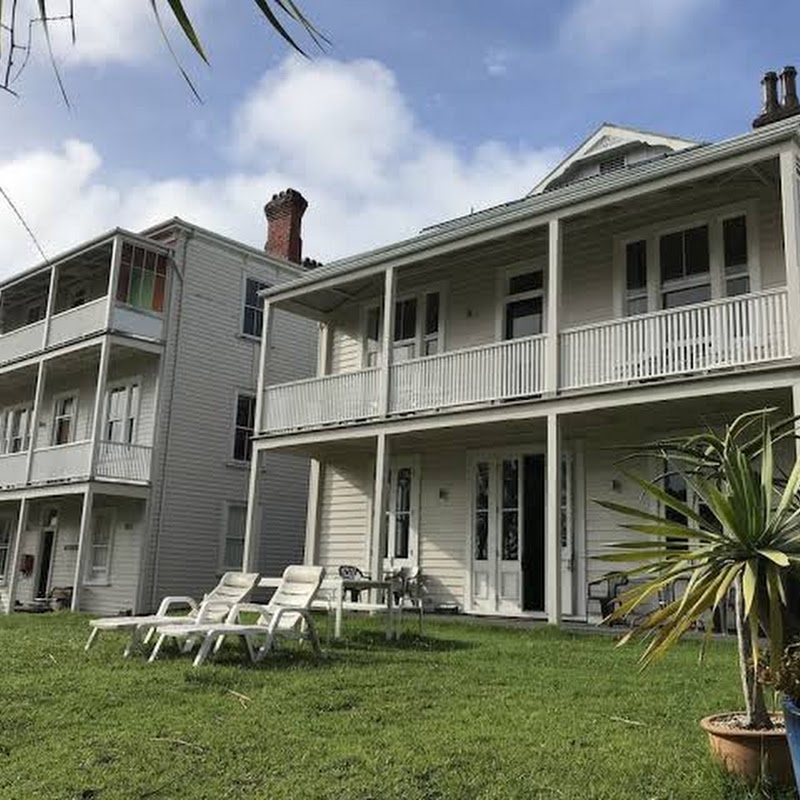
750, 754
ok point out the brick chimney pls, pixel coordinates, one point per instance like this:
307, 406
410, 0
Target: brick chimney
284, 216
787, 106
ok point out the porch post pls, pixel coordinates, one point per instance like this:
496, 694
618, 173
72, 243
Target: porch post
113, 278
791, 243
22, 522
378, 531
252, 530
553, 305
85, 528
51, 305
99, 401
389, 289
34, 421
552, 519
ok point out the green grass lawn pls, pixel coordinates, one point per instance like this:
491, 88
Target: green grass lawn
469, 711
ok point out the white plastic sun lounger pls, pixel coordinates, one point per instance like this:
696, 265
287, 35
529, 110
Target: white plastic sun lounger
287, 615
233, 588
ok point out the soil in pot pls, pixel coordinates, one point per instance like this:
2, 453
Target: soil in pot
747, 753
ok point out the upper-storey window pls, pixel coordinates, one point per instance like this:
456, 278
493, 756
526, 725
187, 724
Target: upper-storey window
142, 278
635, 278
523, 313
685, 267
64, 414
735, 255
16, 429
244, 427
253, 313
416, 331
122, 411
6, 523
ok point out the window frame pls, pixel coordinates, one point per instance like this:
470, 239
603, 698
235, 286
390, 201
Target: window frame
388, 559
504, 276
75, 396
126, 384
265, 284
420, 294
252, 393
227, 505
651, 234
90, 577
126, 303
27, 439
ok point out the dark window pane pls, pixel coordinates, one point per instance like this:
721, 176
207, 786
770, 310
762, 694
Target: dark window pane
482, 487
374, 323
431, 313
405, 319
734, 237
510, 540
636, 264
696, 244
123, 281
253, 318
138, 257
527, 282
252, 288
738, 286
481, 536
635, 305
686, 297
510, 483
245, 408
242, 446
524, 318
158, 293
402, 528
670, 248
675, 486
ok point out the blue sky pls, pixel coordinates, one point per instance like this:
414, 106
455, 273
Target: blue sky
420, 110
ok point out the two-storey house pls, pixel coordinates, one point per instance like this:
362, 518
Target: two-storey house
128, 371
476, 382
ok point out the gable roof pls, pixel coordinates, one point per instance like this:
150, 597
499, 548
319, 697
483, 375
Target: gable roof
607, 138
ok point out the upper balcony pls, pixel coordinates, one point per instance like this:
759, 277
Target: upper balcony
693, 277
117, 283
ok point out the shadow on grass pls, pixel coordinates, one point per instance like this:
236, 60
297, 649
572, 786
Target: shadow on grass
377, 641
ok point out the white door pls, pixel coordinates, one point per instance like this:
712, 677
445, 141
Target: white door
402, 528
496, 541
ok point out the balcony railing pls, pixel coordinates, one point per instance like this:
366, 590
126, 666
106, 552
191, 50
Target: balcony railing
72, 462
78, 322
504, 371
125, 462
735, 332
727, 333
21, 342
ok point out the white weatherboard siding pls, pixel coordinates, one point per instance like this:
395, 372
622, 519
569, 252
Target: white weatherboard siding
208, 362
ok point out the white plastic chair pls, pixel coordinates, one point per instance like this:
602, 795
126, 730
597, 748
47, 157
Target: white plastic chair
287, 615
233, 588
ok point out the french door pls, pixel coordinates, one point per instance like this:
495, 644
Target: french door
401, 548
497, 524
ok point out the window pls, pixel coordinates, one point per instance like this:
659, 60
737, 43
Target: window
636, 278
400, 545
6, 524
122, 410
245, 427
734, 245
524, 304
685, 267
253, 315
233, 546
16, 433
413, 333
142, 278
481, 512
64, 419
100, 547
675, 486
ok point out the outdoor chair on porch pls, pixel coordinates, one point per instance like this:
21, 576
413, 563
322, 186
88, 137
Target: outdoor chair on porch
287, 615
348, 572
233, 588
410, 590
604, 595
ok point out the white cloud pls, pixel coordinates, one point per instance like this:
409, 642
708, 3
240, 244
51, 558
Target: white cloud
602, 27
342, 133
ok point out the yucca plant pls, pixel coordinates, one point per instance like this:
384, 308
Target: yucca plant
748, 543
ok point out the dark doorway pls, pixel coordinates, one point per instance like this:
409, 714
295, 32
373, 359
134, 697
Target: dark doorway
45, 560
533, 534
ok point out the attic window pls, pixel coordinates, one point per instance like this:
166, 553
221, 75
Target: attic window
612, 164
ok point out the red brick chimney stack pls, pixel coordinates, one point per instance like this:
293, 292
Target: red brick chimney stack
284, 217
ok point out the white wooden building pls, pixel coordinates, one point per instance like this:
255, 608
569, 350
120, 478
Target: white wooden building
128, 371
475, 383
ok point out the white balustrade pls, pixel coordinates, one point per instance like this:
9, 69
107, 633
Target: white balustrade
61, 462
12, 469
78, 322
504, 371
332, 399
124, 462
737, 331
21, 342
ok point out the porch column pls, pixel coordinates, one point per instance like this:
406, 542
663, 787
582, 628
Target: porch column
553, 306
83, 535
553, 519
113, 279
22, 522
35, 414
378, 530
51, 305
252, 530
99, 402
791, 242
389, 290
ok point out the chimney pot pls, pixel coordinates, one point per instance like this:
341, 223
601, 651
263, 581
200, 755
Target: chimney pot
770, 84
284, 214
789, 88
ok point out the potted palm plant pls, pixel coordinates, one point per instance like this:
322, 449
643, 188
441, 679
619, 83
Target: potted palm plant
741, 538
785, 678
